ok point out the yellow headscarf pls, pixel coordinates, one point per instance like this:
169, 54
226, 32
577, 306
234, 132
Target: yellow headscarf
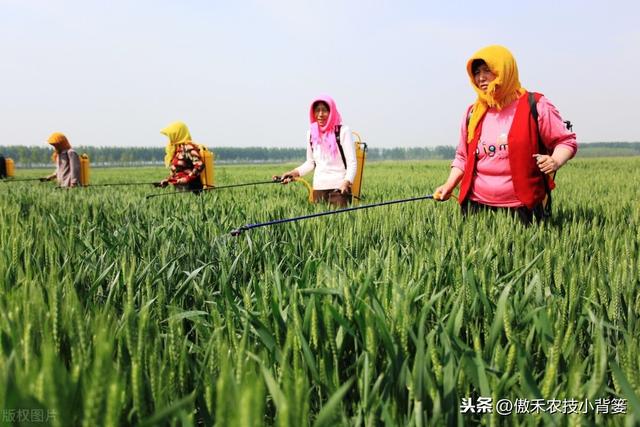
58, 140
178, 133
502, 91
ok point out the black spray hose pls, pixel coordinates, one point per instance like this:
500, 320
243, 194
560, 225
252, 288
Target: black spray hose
7, 180
248, 227
214, 187
123, 183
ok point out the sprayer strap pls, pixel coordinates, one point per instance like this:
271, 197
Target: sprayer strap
344, 159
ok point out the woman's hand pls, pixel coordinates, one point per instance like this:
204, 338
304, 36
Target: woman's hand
546, 164
345, 187
287, 177
442, 193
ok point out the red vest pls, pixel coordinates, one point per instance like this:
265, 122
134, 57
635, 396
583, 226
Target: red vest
528, 181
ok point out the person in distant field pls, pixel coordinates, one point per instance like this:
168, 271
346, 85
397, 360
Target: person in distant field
183, 157
67, 171
505, 158
331, 152
3, 168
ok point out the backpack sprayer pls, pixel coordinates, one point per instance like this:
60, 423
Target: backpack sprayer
361, 154
8, 171
84, 170
7, 168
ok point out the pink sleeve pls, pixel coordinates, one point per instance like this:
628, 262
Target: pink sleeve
460, 160
553, 131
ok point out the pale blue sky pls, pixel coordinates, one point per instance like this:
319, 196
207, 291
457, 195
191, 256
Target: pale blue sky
242, 73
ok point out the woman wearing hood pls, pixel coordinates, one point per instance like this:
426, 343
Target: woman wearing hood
67, 162
183, 158
504, 159
331, 152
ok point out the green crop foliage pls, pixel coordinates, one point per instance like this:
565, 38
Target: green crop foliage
117, 310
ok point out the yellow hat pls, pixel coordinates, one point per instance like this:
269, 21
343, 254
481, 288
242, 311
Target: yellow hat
57, 138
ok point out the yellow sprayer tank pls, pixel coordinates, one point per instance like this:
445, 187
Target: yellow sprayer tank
207, 176
84, 170
11, 167
361, 153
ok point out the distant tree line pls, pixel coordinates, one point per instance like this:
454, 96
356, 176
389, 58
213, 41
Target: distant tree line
30, 156
609, 149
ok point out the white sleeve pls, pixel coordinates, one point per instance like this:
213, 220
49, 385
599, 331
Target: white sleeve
309, 164
349, 149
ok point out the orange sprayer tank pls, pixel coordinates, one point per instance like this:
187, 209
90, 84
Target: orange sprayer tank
11, 167
361, 153
84, 170
207, 176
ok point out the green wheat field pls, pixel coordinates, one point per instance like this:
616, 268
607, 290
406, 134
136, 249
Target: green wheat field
118, 310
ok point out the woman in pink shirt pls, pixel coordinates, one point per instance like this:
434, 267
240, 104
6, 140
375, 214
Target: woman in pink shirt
505, 157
